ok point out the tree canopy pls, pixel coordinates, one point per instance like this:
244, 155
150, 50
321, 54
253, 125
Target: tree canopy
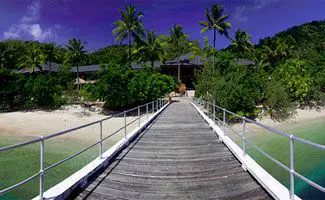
276, 76
288, 73
216, 21
130, 25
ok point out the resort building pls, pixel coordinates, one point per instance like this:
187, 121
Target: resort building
188, 64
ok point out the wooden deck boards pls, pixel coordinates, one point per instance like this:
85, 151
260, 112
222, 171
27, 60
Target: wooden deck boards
178, 157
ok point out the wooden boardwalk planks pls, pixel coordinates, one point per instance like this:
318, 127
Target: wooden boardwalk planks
178, 157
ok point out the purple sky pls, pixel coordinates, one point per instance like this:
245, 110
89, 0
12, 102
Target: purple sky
91, 20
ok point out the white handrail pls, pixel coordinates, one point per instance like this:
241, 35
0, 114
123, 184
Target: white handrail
291, 138
156, 105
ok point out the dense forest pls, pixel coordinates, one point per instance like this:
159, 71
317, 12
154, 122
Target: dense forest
289, 69
289, 73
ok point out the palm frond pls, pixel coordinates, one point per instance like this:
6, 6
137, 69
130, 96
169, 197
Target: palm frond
205, 29
204, 23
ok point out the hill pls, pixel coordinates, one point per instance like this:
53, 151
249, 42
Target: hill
308, 39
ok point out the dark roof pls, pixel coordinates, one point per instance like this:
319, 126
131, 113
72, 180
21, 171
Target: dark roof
245, 62
187, 59
89, 68
156, 65
54, 67
40, 68
190, 60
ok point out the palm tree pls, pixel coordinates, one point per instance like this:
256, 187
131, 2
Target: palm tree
49, 51
5, 55
177, 39
216, 21
129, 26
241, 42
33, 59
150, 49
76, 54
278, 50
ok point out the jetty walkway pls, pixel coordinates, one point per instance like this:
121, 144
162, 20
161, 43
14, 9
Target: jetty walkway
178, 157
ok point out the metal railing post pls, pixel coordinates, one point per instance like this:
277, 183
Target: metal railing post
224, 121
147, 110
125, 125
208, 109
244, 136
41, 176
157, 105
101, 139
153, 107
139, 116
214, 111
292, 183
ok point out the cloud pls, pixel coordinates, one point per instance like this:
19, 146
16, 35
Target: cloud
259, 4
242, 12
32, 13
58, 26
27, 27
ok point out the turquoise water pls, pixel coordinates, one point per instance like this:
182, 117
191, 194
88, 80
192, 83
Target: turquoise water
316, 133
307, 192
308, 161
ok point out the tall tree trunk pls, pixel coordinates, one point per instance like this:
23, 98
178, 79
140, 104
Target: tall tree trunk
129, 35
50, 64
178, 70
214, 45
214, 37
78, 83
178, 64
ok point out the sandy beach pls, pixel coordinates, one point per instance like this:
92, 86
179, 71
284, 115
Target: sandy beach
41, 123
302, 118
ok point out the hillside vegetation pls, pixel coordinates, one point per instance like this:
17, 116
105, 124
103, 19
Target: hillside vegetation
289, 72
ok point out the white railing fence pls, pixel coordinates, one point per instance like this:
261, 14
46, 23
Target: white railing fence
148, 108
219, 116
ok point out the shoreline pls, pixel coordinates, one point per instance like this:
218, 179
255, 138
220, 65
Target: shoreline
302, 119
33, 124
39, 123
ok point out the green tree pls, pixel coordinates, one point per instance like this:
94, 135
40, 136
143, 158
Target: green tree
150, 49
129, 26
178, 41
241, 42
216, 21
49, 51
33, 58
6, 55
115, 53
112, 86
296, 77
277, 101
270, 52
76, 54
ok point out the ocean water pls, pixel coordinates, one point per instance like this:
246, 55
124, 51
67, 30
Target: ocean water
308, 161
305, 191
316, 172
